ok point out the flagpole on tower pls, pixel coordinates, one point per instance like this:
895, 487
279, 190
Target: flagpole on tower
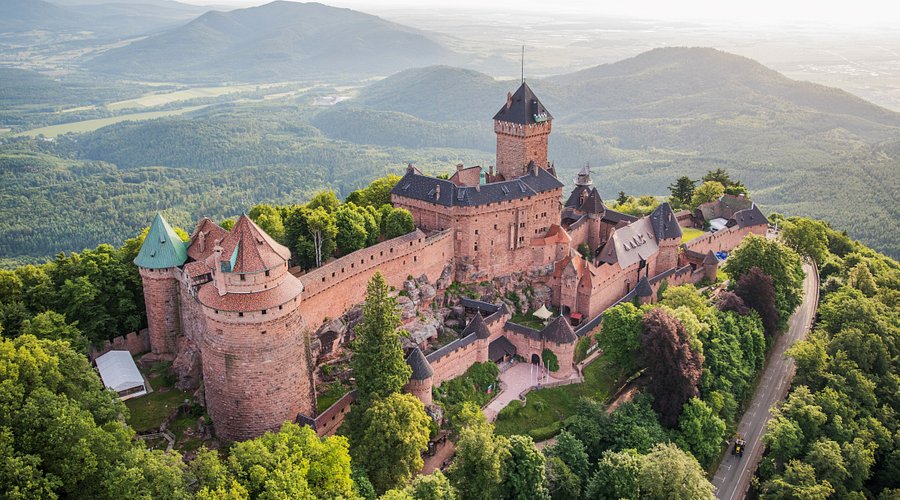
523, 64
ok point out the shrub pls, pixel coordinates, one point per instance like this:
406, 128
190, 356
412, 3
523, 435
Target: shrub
581, 348
550, 360
545, 432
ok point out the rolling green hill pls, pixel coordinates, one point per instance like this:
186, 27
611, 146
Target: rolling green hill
802, 148
277, 41
110, 18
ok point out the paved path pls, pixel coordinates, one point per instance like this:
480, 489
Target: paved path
514, 380
732, 478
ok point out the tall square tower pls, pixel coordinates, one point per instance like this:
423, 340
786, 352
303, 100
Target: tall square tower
523, 127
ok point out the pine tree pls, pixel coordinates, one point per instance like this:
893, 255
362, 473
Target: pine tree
378, 364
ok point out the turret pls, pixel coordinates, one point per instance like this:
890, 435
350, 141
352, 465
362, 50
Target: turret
158, 260
422, 379
522, 127
255, 359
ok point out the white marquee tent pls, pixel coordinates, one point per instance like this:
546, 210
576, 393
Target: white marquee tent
119, 373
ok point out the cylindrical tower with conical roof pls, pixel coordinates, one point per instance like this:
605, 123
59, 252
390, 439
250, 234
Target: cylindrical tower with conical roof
255, 357
158, 260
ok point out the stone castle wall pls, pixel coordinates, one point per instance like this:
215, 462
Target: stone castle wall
256, 371
161, 299
333, 288
134, 342
724, 240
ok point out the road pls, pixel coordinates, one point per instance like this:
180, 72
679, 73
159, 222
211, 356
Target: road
732, 478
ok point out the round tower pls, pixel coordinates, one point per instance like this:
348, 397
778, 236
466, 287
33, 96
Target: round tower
422, 379
255, 357
158, 260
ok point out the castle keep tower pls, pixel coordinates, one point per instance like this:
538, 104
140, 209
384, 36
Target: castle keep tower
255, 361
158, 260
522, 126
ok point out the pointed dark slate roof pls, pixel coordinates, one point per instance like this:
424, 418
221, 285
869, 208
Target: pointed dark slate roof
750, 217
643, 288
162, 248
524, 108
443, 192
593, 204
560, 331
665, 224
421, 369
575, 197
477, 327
500, 348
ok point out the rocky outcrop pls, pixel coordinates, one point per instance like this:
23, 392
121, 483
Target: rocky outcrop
187, 365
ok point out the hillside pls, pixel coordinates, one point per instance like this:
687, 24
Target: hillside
105, 18
803, 148
279, 40
782, 138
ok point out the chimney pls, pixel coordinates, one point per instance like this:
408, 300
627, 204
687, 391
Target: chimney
535, 169
218, 273
409, 168
459, 166
508, 100
437, 191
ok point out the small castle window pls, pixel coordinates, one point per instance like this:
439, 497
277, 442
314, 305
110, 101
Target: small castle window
263, 332
264, 312
267, 272
476, 231
280, 307
240, 315
243, 278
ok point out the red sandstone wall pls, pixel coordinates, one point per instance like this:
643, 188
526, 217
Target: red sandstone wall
193, 320
333, 288
134, 342
724, 240
457, 362
328, 422
517, 145
255, 371
161, 297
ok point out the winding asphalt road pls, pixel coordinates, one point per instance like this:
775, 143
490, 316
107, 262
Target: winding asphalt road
733, 475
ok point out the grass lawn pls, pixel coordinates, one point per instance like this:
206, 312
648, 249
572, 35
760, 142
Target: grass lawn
91, 125
148, 412
689, 233
721, 275
529, 320
547, 408
330, 395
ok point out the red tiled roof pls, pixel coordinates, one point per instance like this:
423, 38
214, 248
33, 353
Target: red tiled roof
248, 302
256, 250
202, 247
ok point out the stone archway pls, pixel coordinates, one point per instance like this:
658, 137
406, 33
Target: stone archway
535, 359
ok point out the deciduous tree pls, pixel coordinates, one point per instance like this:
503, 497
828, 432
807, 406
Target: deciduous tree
619, 336
673, 366
523, 471
671, 474
706, 192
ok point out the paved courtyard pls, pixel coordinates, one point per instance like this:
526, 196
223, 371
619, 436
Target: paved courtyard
517, 378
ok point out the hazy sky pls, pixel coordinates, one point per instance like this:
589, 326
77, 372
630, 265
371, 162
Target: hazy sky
837, 12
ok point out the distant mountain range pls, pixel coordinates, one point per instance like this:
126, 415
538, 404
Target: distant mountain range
803, 148
106, 18
279, 40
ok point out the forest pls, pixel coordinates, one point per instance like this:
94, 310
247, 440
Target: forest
698, 358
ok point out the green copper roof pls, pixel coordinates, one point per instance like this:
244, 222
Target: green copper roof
162, 248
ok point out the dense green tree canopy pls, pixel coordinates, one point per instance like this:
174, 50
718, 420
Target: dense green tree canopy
775, 260
619, 336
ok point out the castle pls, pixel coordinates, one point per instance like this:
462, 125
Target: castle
227, 306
